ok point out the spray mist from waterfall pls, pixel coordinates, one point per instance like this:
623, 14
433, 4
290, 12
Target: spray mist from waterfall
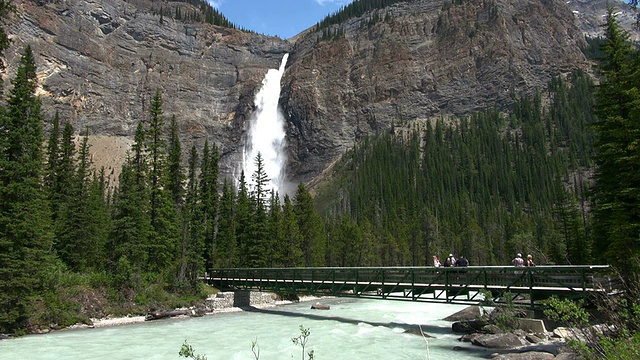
266, 133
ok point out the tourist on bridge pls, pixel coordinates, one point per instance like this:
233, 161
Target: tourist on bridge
530, 260
450, 261
436, 261
462, 262
518, 261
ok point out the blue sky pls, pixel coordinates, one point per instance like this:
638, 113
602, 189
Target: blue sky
284, 18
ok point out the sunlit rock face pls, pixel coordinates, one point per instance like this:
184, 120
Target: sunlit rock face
101, 61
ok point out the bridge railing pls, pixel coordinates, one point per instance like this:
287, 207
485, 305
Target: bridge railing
419, 283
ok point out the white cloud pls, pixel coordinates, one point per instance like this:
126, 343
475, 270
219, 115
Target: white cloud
215, 3
332, 2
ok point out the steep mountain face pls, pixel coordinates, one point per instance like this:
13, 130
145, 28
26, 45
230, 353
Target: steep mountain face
422, 59
100, 61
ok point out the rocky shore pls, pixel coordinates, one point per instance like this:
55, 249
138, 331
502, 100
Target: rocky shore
221, 302
528, 340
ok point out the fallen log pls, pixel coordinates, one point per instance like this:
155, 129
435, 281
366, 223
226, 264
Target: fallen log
164, 314
318, 306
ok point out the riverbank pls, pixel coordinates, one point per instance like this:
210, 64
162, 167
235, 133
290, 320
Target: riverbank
223, 302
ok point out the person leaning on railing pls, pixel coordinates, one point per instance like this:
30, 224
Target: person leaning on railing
518, 261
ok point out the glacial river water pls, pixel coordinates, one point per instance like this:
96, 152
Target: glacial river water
351, 329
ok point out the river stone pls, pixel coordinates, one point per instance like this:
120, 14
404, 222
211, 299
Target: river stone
492, 329
468, 326
417, 331
532, 355
499, 341
533, 338
469, 313
568, 356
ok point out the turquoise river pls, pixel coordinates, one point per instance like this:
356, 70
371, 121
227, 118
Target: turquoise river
350, 329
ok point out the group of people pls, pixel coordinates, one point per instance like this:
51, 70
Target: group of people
520, 262
450, 261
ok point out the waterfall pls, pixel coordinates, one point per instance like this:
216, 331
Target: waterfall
266, 133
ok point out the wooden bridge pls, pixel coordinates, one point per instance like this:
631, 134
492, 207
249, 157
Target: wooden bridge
457, 285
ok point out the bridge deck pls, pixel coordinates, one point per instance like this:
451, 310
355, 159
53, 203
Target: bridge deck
428, 284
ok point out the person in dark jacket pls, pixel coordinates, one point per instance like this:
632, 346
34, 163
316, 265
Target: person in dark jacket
462, 262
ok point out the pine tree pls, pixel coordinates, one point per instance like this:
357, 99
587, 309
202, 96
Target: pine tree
243, 221
63, 172
227, 251
209, 199
53, 154
192, 248
257, 247
617, 188
176, 176
63, 194
82, 227
26, 236
311, 228
290, 253
276, 233
165, 224
131, 215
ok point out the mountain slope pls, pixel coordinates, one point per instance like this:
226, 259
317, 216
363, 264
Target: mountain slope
100, 62
421, 59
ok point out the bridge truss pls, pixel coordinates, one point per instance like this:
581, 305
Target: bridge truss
469, 285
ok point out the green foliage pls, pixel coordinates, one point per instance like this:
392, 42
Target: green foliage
621, 348
301, 340
187, 351
568, 312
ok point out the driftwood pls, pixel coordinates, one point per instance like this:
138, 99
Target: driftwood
165, 314
318, 306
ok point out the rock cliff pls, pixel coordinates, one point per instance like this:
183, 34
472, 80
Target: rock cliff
100, 61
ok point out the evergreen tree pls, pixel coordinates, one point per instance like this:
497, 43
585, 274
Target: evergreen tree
290, 253
209, 199
53, 154
617, 188
82, 226
276, 232
192, 247
165, 235
311, 228
131, 216
243, 221
26, 236
176, 176
64, 171
257, 247
227, 251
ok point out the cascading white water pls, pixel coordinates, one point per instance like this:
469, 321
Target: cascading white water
267, 132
